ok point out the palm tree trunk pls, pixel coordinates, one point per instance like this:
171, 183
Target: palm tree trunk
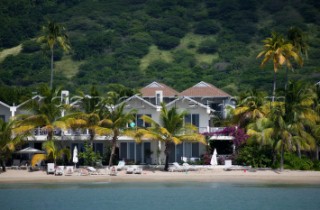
281, 157
166, 152
286, 84
299, 151
274, 86
3, 165
113, 151
51, 77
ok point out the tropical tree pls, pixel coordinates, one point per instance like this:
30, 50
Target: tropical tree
250, 107
54, 34
170, 130
299, 40
300, 115
45, 111
115, 120
54, 151
11, 135
280, 52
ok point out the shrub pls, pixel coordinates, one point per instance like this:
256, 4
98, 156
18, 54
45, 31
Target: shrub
255, 156
206, 27
292, 161
208, 46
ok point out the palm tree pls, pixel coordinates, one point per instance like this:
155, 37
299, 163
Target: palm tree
54, 151
170, 130
280, 52
46, 112
54, 34
299, 114
11, 135
299, 40
115, 120
249, 108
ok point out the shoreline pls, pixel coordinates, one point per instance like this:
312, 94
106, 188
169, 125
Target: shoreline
217, 175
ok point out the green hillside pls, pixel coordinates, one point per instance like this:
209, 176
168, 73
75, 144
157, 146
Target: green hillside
134, 42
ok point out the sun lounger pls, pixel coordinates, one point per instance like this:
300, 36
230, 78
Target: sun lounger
92, 170
101, 171
83, 172
176, 167
59, 170
120, 165
113, 171
129, 170
188, 167
69, 171
15, 164
137, 170
23, 165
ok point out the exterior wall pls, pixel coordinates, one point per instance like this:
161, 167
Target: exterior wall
5, 113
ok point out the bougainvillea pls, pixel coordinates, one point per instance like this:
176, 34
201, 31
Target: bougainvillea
238, 133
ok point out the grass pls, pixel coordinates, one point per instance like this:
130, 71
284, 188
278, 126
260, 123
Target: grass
153, 55
185, 43
11, 51
67, 66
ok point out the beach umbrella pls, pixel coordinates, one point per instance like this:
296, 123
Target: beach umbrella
214, 160
75, 156
30, 150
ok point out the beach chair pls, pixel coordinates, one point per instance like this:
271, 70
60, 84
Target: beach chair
50, 168
176, 167
92, 170
59, 170
101, 171
113, 171
120, 165
15, 164
23, 165
189, 167
83, 172
227, 164
137, 170
69, 171
129, 170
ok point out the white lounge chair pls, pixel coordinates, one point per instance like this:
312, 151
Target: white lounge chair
129, 170
59, 170
69, 171
188, 167
50, 168
137, 170
121, 165
176, 167
92, 170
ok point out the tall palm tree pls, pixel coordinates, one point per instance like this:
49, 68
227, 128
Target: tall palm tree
299, 114
280, 52
54, 34
299, 40
11, 135
116, 120
170, 130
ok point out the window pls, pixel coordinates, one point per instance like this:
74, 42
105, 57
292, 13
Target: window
158, 97
194, 119
3, 118
140, 123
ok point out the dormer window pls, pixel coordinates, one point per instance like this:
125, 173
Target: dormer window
159, 97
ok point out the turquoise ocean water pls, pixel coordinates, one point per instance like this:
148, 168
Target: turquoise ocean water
155, 196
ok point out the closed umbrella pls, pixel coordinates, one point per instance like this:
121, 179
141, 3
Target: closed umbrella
75, 156
214, 160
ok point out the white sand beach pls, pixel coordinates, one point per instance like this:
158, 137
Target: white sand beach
201, 175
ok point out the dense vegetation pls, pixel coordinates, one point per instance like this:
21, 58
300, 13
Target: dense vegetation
133, 42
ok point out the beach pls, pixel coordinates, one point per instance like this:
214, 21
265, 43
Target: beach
201, 175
